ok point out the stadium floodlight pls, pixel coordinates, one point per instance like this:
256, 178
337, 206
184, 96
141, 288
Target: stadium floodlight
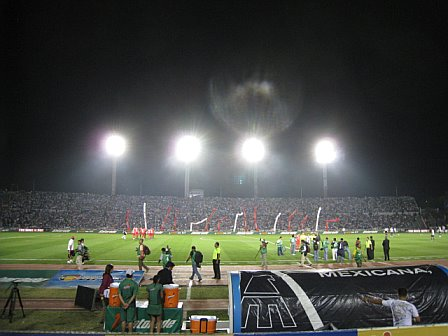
188, 149
115, 146
325, 152
253, 151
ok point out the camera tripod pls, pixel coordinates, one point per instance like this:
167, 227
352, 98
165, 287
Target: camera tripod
11, 302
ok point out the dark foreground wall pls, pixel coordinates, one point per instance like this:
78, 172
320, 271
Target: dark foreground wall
280, 301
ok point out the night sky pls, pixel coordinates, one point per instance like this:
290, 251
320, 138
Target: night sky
372, 75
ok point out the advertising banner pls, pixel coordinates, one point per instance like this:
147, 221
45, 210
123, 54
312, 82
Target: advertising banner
171, 323
436, 330
288, 301
87, 278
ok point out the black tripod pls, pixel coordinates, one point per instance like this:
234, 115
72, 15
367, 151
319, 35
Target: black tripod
12, 301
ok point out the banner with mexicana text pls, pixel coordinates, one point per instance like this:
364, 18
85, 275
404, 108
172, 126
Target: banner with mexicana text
287, 301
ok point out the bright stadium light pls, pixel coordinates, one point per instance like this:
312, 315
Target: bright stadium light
325, 153
115, 146
188, 149
253, 151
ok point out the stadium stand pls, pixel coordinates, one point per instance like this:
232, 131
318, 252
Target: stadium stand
51, 210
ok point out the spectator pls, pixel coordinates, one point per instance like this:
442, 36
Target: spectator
279, 245
325, 245
194, 265
141, 255
304, 249
386, 248
369, 249
263, 251
292, 242
79, 255
105, 284
315, 250
341, 251
70, 250
166, 274
372, 243
403, 312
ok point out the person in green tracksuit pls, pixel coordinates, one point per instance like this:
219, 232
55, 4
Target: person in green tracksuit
127, 292
357, 255
155, 300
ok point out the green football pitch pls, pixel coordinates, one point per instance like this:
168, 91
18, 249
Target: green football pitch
51, 248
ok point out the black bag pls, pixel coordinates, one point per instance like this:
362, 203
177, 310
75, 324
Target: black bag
198, 257
146, 250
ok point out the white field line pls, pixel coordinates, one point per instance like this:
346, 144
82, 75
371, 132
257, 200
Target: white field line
190, 284
234, 262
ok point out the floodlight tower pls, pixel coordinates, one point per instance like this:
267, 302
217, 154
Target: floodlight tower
325, 153
253, 151
188, 149
115, 146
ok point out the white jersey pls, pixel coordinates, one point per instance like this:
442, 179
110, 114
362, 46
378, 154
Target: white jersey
71, 245
402, 312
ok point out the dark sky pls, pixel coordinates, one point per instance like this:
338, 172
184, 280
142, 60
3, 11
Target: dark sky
373, 75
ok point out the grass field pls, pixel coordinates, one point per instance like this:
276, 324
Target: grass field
51, 248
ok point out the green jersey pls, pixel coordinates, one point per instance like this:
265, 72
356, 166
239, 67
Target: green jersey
193, 257
165, 258
358, 255
154, 291
127, 289
154, 298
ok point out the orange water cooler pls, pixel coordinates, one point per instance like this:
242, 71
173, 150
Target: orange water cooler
171, 295
114, 299
200, 324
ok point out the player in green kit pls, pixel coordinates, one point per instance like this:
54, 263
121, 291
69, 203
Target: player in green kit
155, 299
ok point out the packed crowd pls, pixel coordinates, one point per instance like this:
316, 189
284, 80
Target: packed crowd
52, 210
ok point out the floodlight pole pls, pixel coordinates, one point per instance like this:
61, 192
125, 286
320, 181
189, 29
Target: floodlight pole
187, 181
114, 175
325, 179
255, 181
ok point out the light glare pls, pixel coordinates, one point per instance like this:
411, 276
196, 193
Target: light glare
325, 151
253, 150
188, 148
115, 145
